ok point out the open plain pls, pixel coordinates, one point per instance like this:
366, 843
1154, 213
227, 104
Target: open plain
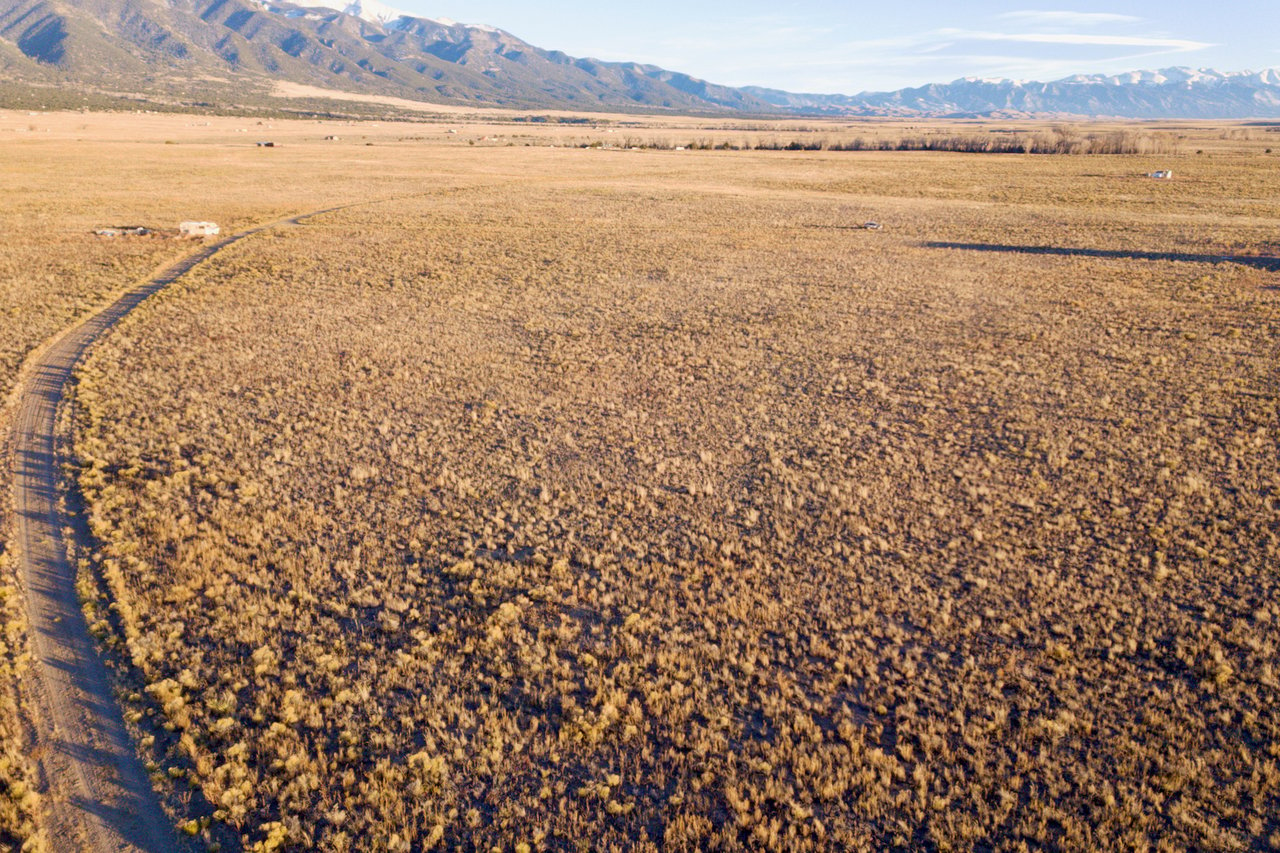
565, 490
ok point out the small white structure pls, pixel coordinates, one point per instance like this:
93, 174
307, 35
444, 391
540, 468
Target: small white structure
1162, 174
197, 229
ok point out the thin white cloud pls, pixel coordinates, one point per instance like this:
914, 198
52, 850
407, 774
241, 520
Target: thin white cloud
1067, 19
1075, 38
1023, 45
941, 55
939, 40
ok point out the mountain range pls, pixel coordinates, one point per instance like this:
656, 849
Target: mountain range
1168, 93
227, 52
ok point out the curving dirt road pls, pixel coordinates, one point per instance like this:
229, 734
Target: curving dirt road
99, 797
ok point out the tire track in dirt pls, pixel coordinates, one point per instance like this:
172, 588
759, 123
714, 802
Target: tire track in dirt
99, 797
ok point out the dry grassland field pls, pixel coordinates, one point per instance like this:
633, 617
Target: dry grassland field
563, 498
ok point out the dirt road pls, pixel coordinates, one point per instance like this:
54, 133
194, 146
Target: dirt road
98, 795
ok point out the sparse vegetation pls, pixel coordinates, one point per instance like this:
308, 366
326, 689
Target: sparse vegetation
19, 800
1058, 140
597, 500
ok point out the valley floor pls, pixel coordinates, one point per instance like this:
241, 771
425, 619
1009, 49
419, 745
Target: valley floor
560, 497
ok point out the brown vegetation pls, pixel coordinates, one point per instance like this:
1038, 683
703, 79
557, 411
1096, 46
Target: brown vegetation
63, 177
1058, 140
649, 506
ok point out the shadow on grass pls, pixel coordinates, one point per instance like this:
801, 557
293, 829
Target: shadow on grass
1262, 262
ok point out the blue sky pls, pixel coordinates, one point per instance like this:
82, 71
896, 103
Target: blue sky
846, 47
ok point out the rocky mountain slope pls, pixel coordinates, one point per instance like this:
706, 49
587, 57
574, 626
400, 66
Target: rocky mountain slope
195, 45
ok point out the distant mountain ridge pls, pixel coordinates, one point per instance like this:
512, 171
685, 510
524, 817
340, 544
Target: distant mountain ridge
1168, 93
224, 51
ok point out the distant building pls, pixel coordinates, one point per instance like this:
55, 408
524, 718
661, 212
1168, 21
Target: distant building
197, 229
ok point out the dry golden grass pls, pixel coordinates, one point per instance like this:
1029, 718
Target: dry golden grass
589, 499
62, 176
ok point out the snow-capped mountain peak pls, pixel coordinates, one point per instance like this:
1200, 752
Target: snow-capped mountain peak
1167, 93
1178, 75
992, 81
372, 11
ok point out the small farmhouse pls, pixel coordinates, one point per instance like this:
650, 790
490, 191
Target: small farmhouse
197, 229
